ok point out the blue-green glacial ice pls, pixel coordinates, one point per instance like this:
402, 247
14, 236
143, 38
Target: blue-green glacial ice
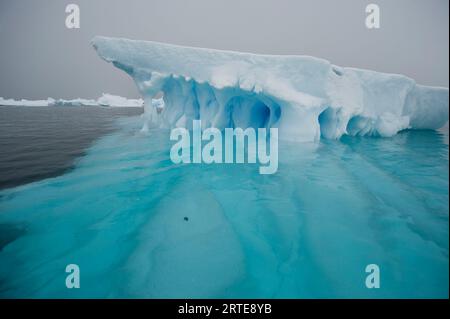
307, 231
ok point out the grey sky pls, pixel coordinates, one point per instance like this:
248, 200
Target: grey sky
41, 58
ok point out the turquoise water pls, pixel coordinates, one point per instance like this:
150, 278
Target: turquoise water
307, 231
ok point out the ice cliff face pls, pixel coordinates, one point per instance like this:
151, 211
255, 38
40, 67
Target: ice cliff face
305, 97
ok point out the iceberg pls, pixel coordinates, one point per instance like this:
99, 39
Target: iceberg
73, 102
305, 97
118, 101
105, 100
23, 102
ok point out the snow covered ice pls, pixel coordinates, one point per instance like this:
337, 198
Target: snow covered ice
114, 100
24, 102
305, 97
104, 100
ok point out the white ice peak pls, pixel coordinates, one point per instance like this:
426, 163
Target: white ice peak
305, 97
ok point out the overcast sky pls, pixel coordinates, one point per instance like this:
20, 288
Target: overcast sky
41, 58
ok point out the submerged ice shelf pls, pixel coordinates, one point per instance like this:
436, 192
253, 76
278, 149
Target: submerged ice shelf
305, 97
308, 231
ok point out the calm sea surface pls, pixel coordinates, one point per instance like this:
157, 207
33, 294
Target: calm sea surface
41, 142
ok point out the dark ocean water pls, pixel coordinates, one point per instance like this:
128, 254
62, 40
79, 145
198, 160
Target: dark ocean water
42, 142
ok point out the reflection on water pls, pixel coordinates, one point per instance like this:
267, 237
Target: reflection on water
42, 142
307, 231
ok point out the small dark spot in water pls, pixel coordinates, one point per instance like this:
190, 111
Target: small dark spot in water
186, 218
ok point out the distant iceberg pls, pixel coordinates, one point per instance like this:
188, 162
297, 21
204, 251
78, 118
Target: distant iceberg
114, 100
305, 97
23, 102
74, 102
105, 100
